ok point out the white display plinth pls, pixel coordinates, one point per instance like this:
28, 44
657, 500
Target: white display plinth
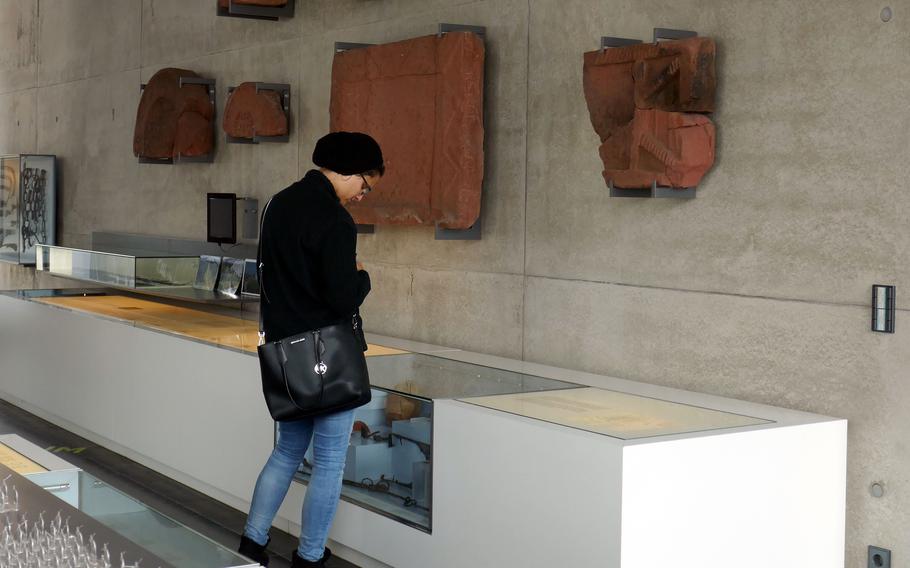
508, 490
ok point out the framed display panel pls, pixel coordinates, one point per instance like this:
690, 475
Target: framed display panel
28, 205
207, 273
250, 286
230, 278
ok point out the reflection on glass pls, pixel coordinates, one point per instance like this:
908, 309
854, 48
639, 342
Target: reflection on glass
168, 271
389, 459
37, 204
115, 269
160, 535
9, 208
250, 277
616, 414
431, 377
207, 274
231, 276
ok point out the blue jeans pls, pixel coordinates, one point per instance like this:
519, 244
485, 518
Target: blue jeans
331, 434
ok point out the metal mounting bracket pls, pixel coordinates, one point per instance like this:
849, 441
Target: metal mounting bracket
446, 28
656, 191
236, 10
472, 233
607, 42
348, 46
670, 34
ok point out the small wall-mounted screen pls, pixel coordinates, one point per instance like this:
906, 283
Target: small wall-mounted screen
222, 218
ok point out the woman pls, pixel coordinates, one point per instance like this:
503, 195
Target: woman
311, 279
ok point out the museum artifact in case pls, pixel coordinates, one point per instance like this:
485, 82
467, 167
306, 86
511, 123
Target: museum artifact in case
28, 205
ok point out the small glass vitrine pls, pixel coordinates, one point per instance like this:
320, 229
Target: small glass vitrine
203, 278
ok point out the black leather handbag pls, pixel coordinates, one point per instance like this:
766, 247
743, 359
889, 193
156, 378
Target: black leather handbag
316, 372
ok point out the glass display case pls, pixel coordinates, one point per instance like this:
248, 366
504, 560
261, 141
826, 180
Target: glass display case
205, 278
389, 467
164, 537
28, 205
132, 269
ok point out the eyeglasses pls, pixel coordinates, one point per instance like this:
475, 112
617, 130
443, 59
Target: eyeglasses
367, 189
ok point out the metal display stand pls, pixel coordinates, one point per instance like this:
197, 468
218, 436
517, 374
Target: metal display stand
208, 158
341, 46
285, 91
273, 14
655, 191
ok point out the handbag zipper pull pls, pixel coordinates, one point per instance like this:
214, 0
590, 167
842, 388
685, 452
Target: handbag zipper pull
320, 368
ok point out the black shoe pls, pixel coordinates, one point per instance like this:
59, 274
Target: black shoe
253, 550
298, 562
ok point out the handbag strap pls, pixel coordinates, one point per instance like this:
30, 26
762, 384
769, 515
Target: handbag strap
262, 293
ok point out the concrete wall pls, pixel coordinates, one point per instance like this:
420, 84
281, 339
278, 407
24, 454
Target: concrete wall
757, 289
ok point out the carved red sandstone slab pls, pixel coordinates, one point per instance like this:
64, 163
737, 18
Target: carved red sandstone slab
641, 100
248, 113
173, 120
422, 99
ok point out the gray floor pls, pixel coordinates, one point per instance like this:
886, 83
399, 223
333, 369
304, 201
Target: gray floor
215, 520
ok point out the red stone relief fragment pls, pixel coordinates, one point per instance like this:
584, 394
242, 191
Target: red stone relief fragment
422, 99
173, 120
642, 100
248, 113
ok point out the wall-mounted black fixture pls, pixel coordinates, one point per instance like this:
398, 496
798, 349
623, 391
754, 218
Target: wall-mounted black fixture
222, 217
273, 13
883, 308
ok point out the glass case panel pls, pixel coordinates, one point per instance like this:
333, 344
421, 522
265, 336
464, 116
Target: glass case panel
147, 269
167, 271
620, 415
132, 519
38, 205
430, 377
389, 467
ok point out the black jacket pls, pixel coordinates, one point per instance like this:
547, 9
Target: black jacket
309, 270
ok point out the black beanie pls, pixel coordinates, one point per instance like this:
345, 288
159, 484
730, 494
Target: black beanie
348, 153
